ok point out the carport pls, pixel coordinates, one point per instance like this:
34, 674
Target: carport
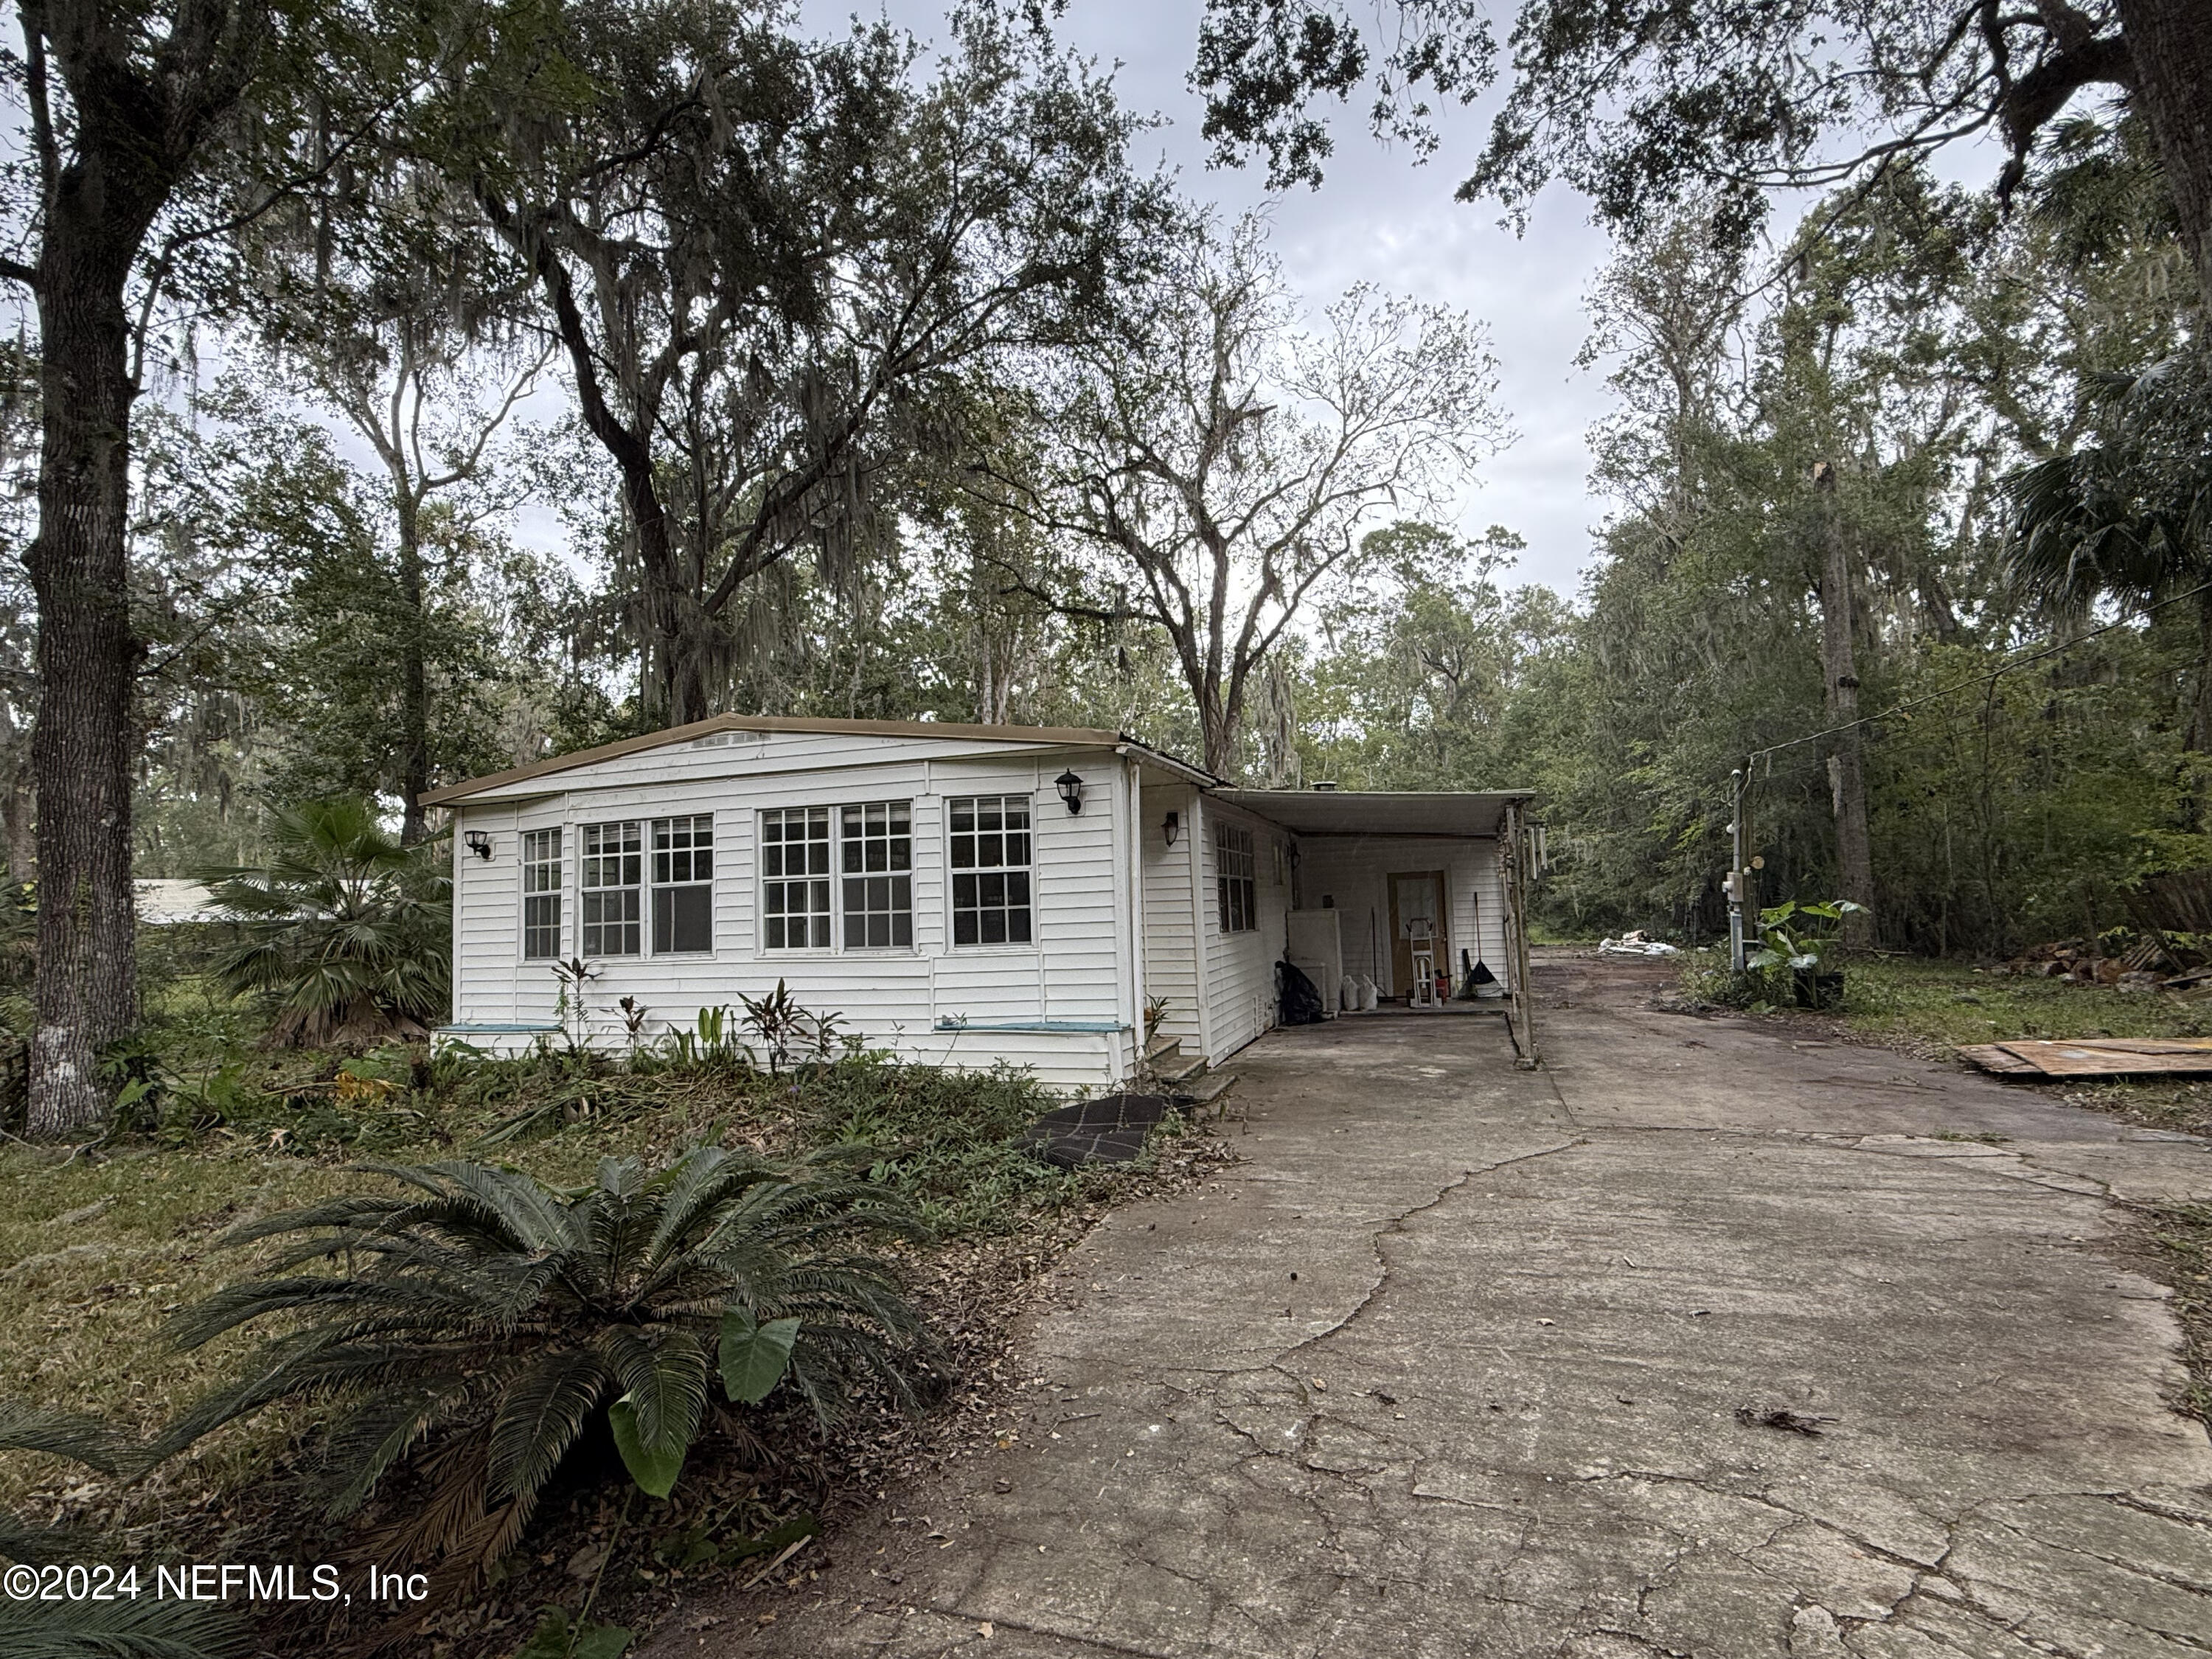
1411, 879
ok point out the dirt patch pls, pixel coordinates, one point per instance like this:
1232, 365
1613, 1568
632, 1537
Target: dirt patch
2172, 1244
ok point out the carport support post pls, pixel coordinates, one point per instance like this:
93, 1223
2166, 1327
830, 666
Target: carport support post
1515, 865
1736, 864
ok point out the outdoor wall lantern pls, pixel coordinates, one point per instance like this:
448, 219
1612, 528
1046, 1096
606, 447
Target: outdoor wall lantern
1171, 826
1071, 790
479, 844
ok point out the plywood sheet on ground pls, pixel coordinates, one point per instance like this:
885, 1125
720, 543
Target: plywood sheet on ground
2096, 1057
1991, 1058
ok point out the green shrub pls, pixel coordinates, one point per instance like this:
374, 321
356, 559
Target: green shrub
483, 1326
348, 932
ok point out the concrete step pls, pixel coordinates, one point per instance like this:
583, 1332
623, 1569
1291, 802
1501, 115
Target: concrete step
1211, 1087
1179, 1070
1162, 1048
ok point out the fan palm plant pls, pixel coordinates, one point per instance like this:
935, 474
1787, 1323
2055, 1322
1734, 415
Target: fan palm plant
139, 1625
2129, 519
347, 930
481, 1325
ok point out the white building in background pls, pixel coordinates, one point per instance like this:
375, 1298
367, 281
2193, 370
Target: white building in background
167, 901
961, 894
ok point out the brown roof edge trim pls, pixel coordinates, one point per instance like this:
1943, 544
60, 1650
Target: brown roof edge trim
1146, 755
1077, 735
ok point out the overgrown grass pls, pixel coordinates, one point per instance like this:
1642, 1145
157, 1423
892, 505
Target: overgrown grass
98, 1247
2183, 1232
1944, 1004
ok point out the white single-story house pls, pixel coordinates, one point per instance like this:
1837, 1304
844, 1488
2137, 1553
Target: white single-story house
960, 895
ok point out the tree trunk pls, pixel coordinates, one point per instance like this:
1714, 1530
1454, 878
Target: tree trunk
668, 678
413, 687
19, 825
2170, 48
103, 177
2197, 740
1216, 727
2199, 737
81, 747
1839, 675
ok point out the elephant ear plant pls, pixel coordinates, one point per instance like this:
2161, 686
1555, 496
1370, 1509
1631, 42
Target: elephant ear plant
480, 1326
1794, 939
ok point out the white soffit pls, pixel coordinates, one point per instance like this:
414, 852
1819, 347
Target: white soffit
1378, 812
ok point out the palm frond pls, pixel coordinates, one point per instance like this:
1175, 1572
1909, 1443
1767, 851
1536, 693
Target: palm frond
664, 1375
82, 1440
540, 1415
346, 930
139, 1628
479, 1325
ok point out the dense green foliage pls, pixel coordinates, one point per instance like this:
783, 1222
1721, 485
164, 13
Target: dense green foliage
346, 932
804, 1215
480, 1326
2034, 745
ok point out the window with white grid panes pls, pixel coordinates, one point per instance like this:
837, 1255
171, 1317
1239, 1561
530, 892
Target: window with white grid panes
612, 884
875, 843
1235, 878
683, 884
541, 894
794, 851
989, 850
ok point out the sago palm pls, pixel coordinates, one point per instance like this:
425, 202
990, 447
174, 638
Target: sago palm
133, 1622
481, 1325
347, 930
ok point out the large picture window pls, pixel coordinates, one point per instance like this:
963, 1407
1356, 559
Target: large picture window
612, 889
795, 878
541, 894
683, 883
1235, 886
990, 857
876, 841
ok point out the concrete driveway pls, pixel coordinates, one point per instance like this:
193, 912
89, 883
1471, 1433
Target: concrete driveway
1452, 1365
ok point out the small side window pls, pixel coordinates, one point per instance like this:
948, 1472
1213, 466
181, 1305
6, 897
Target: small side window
794, 853
877, 843
541, 895
1236, 887
989, 852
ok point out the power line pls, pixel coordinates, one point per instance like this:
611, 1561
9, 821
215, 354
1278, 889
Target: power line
1741, 780
1998, 672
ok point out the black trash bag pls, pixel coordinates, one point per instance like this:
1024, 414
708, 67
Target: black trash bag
1297, 999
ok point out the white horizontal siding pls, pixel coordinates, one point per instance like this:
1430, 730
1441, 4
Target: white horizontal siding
1240, 968
487, 919
1170, 958
893, 999
753, 755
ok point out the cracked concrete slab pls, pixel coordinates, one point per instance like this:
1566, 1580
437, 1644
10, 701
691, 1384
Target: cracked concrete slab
1451, 1365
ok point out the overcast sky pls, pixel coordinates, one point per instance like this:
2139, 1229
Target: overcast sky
1381, 218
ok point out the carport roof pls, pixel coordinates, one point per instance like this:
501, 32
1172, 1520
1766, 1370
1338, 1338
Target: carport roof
1379, 812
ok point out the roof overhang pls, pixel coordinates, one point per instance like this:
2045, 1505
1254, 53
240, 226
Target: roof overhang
1047, 736
1456, 813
